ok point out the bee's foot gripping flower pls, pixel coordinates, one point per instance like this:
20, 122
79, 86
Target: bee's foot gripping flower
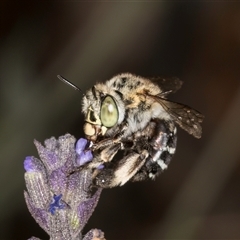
59, 198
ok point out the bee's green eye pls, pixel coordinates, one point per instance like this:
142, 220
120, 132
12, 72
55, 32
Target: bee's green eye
109, 112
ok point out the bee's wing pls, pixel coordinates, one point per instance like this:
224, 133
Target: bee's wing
168, 85
187, 118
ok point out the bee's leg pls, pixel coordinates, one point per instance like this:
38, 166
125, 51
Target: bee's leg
117, 173
104, 156
162, 148
111, 140
102, 144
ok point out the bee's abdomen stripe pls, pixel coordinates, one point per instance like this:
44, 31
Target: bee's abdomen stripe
163, 148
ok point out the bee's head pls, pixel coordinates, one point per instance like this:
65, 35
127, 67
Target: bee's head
103, 110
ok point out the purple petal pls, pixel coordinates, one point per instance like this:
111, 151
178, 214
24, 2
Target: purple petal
32, 164
81, 145
84, 157
28, 164
56, 204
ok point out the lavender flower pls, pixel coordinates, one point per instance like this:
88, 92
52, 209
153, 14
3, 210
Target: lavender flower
58, 198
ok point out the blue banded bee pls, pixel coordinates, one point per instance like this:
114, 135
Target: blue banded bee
131, 115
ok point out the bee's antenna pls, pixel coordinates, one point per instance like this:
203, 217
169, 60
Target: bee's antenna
68, 82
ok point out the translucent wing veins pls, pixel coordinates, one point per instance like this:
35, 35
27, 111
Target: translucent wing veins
168, 85
187, 118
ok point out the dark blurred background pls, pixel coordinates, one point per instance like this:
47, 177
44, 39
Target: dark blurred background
198, 197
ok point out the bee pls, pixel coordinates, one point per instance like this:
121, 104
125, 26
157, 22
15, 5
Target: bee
130, 116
